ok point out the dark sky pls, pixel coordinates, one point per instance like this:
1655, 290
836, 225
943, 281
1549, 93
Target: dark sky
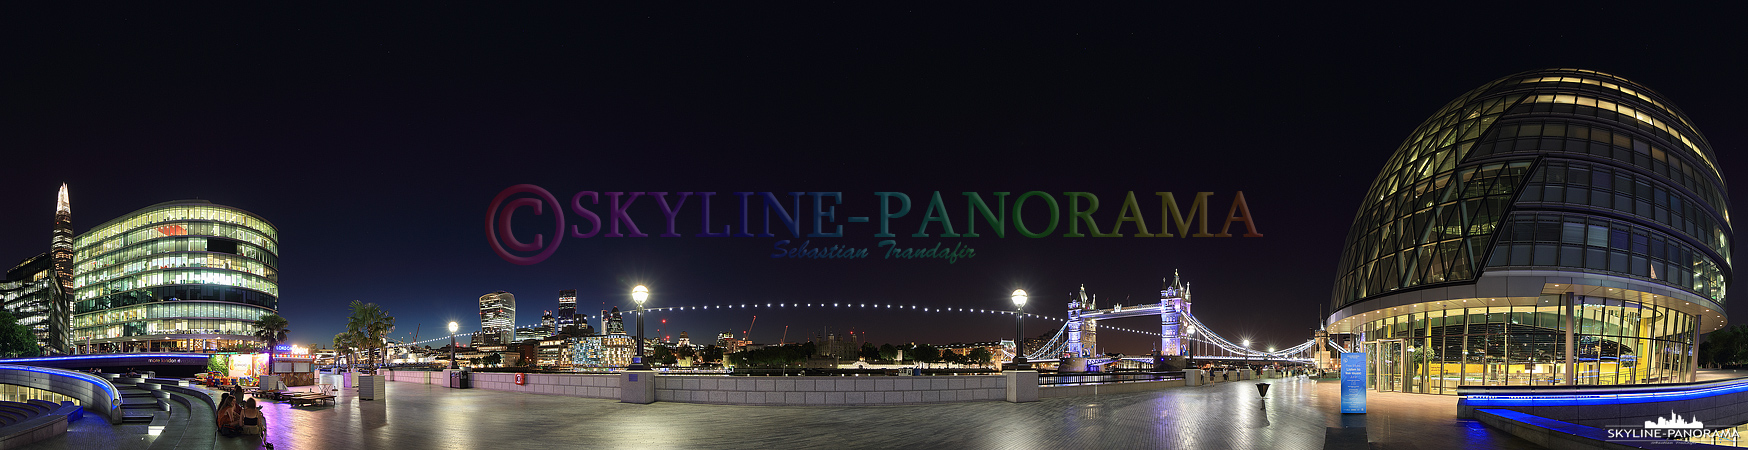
375, 137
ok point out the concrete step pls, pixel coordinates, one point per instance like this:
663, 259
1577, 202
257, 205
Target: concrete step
138, 415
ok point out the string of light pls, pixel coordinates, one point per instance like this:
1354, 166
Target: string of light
925, 309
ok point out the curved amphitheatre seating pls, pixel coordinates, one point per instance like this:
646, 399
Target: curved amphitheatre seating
37, 420
15, 412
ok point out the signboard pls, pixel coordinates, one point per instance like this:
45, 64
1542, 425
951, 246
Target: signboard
1353, 383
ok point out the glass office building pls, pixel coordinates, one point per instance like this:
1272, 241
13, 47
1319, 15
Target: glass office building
1557, 226
497, 317
32, 293
186, 275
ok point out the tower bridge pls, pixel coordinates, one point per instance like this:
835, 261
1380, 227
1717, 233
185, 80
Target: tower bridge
1181, 335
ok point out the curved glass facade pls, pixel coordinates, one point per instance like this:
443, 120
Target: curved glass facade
185, 275
1521, 341
1535, 193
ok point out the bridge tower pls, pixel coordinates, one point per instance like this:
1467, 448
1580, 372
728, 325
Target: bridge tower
1174, 300
1082, 333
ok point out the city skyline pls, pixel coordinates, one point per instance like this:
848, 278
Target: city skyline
377, 144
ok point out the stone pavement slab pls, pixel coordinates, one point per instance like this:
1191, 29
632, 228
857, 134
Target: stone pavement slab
1298, 414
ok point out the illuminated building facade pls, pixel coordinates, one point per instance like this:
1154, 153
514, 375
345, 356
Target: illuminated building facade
612, 350
185, 275
497, 317
567, 307
612, 323
61, 252
1555, 226
32, 293
556, 353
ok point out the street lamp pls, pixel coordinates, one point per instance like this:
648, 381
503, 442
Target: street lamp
453, 327
1247, 353
1019, 298
639, 294
1190, 347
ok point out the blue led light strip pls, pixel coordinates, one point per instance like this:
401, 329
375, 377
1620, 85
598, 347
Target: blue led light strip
1610, 396
106, 356
114, 395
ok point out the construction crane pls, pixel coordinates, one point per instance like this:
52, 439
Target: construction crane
785, 338
748, 334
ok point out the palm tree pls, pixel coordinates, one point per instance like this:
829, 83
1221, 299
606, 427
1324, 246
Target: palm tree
344, 344
371, 324
270, 330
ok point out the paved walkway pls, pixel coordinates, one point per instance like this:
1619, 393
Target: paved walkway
1298, 414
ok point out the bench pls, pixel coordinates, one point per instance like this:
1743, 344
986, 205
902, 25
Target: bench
307, 399
271, 394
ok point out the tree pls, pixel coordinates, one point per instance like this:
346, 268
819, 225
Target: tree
663, 354
345, 344
16, 341
686, 351
270, 330
979, 356
951, 357
710, 353
888, 352
372, 325
1724, 347
492, 359
926, 353
869, 352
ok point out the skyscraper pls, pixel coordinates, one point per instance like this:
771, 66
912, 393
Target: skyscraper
567, 307
611, 323
61, 253
497, 316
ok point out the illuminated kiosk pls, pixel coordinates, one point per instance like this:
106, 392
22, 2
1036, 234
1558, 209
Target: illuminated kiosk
1552, 227
186, 275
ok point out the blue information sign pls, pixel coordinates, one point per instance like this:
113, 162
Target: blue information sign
1353, 383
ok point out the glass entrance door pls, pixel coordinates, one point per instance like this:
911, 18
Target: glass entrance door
1388, 354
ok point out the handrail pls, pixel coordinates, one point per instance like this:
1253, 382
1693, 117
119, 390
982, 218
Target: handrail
113, 395
1503, 395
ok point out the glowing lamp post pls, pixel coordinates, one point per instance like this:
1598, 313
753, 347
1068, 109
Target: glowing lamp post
1190, 347
639, 294
1247, 353
453, 327
1019, 298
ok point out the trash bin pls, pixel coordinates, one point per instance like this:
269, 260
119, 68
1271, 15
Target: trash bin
458, 379
916, 371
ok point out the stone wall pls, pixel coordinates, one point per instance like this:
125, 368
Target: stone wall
566, 384
418, 376
829, 390
1108, 388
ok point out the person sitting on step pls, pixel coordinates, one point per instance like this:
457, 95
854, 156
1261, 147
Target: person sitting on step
229, 417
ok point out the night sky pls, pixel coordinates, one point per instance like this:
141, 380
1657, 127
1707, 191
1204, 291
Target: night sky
376, 137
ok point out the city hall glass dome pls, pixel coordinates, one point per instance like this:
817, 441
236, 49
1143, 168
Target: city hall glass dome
1542, 211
